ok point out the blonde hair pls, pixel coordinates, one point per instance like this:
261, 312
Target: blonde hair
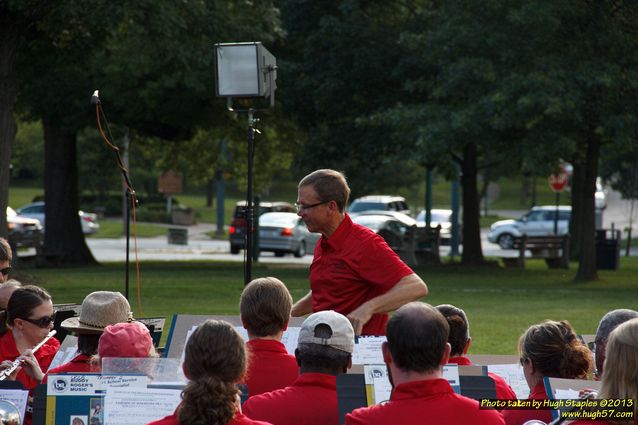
620, 373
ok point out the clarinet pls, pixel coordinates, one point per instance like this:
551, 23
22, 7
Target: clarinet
16, 363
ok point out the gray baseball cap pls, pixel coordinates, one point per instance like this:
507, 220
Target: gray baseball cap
342, 332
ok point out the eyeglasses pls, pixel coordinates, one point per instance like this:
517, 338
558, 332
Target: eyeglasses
302, 207
6, 271
42, 322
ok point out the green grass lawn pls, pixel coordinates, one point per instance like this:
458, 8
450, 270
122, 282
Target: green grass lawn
500, 303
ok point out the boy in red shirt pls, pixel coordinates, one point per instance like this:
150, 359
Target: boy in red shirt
265, 311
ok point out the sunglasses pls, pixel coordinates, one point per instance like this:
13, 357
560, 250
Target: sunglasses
42, 322
6, 271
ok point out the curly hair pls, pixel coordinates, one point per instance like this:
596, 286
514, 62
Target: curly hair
215, 361
555, 350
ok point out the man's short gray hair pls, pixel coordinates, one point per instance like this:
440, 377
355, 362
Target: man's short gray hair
611, 320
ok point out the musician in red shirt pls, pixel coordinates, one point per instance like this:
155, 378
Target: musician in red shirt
460, 341
415, 353
264, 308
353, 272
99, 310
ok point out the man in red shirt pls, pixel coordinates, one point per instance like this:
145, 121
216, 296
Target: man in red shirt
353, 272
415, 353
324, 350
265, 307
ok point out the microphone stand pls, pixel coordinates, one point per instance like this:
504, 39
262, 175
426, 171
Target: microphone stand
130, 193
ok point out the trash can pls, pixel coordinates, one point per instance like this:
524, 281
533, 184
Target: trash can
607, 250
177, 236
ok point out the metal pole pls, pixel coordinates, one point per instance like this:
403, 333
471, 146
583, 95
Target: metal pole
556, 216
428, 197
128, 233
249, 201
456, 201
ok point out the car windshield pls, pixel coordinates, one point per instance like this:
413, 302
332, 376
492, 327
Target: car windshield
365, 206
282, 220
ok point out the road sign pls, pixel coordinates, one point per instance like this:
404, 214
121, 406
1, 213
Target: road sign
558, 181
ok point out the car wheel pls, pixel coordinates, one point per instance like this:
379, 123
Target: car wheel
301, 251
505, 241
234, 249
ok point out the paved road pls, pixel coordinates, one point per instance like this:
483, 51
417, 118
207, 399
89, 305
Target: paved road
201, 247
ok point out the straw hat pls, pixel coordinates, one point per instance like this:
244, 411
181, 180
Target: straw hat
99, 310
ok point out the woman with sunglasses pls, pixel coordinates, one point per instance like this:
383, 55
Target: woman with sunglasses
29, 318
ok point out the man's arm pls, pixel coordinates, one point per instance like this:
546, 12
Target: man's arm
303, 306
408, 288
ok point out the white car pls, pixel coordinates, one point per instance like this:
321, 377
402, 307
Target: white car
24, 232
284, 232
539, 221
36, 210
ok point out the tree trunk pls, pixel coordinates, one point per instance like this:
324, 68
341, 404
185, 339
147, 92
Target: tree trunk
472, 251
8, 90
576, 222
587, 258
64, 242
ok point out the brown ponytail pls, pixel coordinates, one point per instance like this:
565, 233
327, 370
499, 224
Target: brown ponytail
215, 361
555, 350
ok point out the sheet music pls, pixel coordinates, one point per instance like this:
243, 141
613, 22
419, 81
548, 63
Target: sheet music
133, 406
17, 397
514, 376
67, 351
367, 350
566, 394
451, 373
289, 338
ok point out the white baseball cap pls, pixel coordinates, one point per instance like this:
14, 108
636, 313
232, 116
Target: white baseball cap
342, 332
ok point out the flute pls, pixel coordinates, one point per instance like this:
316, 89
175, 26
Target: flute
16, 363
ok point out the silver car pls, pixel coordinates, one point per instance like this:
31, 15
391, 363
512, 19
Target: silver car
36, 210
283, 232
539, 221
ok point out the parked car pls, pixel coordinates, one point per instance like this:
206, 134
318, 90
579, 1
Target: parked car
284, 232
237, 229
24, 232
539, 221
441, 217
379, 203
390, 225
36, 210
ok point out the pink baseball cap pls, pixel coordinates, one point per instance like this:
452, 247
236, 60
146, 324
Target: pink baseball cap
125, 340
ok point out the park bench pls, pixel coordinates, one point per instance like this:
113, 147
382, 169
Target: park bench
419, 245
554, 249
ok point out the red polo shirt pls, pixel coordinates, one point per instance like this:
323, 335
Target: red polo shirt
44, 356
351, 267
519, 417
79, 364
430, 401
238, 419
311, 400
503, 390
270, 367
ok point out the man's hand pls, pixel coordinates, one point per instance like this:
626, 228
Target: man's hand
359, 317
303, 306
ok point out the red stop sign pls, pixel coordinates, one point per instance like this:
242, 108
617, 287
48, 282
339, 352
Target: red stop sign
558, 181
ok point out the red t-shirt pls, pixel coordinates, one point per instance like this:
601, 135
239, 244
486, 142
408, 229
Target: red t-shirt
519, 417
79, 364
238, 419
44, 356
430, 401
311, 400
270, 367
351, 267
503, 390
